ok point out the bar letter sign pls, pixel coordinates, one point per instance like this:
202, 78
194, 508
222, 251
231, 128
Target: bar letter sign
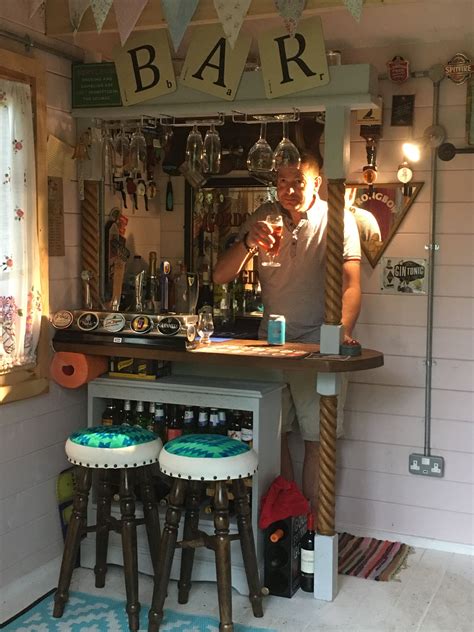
211, 65
144, 67
291, 64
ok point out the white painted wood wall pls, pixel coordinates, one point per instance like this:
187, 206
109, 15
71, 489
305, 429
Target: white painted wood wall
33, 432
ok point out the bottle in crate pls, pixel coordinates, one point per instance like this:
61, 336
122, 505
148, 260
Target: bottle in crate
151, 417
222, 425
214, 421
127, 417
189, 423
109, 416
174, 427
234, 428
140, 418
203, 421
159, 425
247, 428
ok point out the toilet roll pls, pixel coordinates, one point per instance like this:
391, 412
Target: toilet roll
72, 370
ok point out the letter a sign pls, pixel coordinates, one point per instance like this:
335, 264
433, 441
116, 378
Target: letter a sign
211, 65
291, 64
144, 67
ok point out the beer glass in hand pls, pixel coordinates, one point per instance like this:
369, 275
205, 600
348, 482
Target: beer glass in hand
275, 221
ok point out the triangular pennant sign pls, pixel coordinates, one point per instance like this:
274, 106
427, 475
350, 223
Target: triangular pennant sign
127, 13
291, 12
355, 8
77, 8
231, 14
178, 14
100, 9
35, 6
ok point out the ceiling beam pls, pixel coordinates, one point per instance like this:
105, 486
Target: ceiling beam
58, 23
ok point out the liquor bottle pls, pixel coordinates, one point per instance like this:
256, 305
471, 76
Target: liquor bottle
159, 426
140, 418
109, 414
234, 429
307, 557
247, 428
151, 295
174, 427
189, 425
205, 292
203, 421
151, 417
213, 421
127, 417
222, 425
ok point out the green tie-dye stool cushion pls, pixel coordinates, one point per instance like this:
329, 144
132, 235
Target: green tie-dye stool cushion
207, 457
113, 446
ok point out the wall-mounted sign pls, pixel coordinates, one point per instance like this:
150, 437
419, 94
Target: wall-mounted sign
211, 65
398, 69
144, 67
403, 110
291, 64
404, 275
458, 68
369, 116
95, 86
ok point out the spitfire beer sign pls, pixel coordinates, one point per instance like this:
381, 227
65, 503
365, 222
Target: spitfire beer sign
459, 68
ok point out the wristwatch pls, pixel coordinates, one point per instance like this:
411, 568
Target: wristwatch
251, 249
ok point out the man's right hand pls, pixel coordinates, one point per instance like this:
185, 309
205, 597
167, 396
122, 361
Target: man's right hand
260, 234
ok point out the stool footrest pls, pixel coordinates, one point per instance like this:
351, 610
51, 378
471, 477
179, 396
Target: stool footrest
205, 539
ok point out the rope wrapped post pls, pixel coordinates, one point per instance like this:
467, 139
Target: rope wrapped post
332, 316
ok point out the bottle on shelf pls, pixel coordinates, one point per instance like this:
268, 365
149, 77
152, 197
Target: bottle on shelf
247, 428
214, 421
222, 424
203, 421
151, 417
152, 286
109, 416
234, 429
307, 557
127, 417
159, 425
174, 427
189, 424
140, 418
206, 299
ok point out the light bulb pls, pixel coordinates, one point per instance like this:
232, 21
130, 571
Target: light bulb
411, 151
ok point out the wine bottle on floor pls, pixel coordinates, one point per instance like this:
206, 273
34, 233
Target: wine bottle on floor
307, 557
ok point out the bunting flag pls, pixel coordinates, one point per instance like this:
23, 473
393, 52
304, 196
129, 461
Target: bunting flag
100, 9
355, 8
231, 14
35, 5
178, 14
77, 8
291, 12
127, 13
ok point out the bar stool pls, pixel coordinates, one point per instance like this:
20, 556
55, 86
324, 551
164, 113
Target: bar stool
130, 450
192, 461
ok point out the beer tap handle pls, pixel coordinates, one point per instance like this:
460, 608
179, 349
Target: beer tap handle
86, 277
139, 279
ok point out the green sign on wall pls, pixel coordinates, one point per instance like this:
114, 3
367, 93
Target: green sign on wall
95, 86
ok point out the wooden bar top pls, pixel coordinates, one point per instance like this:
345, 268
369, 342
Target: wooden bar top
240, 353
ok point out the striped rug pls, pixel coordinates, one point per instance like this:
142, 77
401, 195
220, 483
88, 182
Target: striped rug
370, 558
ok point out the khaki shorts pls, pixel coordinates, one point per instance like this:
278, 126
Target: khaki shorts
300, 404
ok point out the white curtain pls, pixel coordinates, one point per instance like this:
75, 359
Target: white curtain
20, 291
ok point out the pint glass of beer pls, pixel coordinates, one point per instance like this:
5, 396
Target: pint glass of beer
275, 221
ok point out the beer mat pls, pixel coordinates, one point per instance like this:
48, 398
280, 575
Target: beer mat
251, 350
316, 355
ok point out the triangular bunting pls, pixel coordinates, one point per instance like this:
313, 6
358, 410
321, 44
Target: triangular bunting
100, 9
178, 14
231, 14
291, 12
355, 8
35, 6
77, 8
127, 13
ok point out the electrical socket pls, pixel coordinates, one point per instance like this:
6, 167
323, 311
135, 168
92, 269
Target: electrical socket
426, 465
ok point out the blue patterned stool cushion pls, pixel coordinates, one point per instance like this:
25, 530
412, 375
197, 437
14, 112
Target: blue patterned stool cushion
207, 457
113, 446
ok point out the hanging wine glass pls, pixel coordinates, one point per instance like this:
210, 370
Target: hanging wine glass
260, 156
138, 154
108, 158
212, 151
194, 150
286, 154
122, 150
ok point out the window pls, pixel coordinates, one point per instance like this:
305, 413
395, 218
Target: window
23, 271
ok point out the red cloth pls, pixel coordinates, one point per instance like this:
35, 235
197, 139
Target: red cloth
282, 500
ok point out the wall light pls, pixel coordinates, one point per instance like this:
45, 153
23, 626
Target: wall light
433, 136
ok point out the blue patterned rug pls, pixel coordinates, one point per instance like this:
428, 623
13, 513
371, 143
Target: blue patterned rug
90, 613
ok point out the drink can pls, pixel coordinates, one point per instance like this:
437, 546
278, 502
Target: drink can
276, 329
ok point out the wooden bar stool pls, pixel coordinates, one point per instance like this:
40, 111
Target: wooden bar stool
192, 461
131, 450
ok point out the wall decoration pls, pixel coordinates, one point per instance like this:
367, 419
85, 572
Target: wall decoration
291, 12
398, 69
77, 8
403, 110
100, 10
127, 13
95, 86
178, 14
291, 64
144, 67
231, 15
458, 68
408, 276
211, 65
355, 8
370, 116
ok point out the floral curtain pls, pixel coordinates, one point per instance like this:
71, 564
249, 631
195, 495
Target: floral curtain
20, 292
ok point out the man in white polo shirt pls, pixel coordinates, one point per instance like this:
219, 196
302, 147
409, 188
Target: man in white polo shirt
296, 290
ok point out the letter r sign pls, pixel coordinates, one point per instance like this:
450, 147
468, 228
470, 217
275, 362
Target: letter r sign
144, 67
